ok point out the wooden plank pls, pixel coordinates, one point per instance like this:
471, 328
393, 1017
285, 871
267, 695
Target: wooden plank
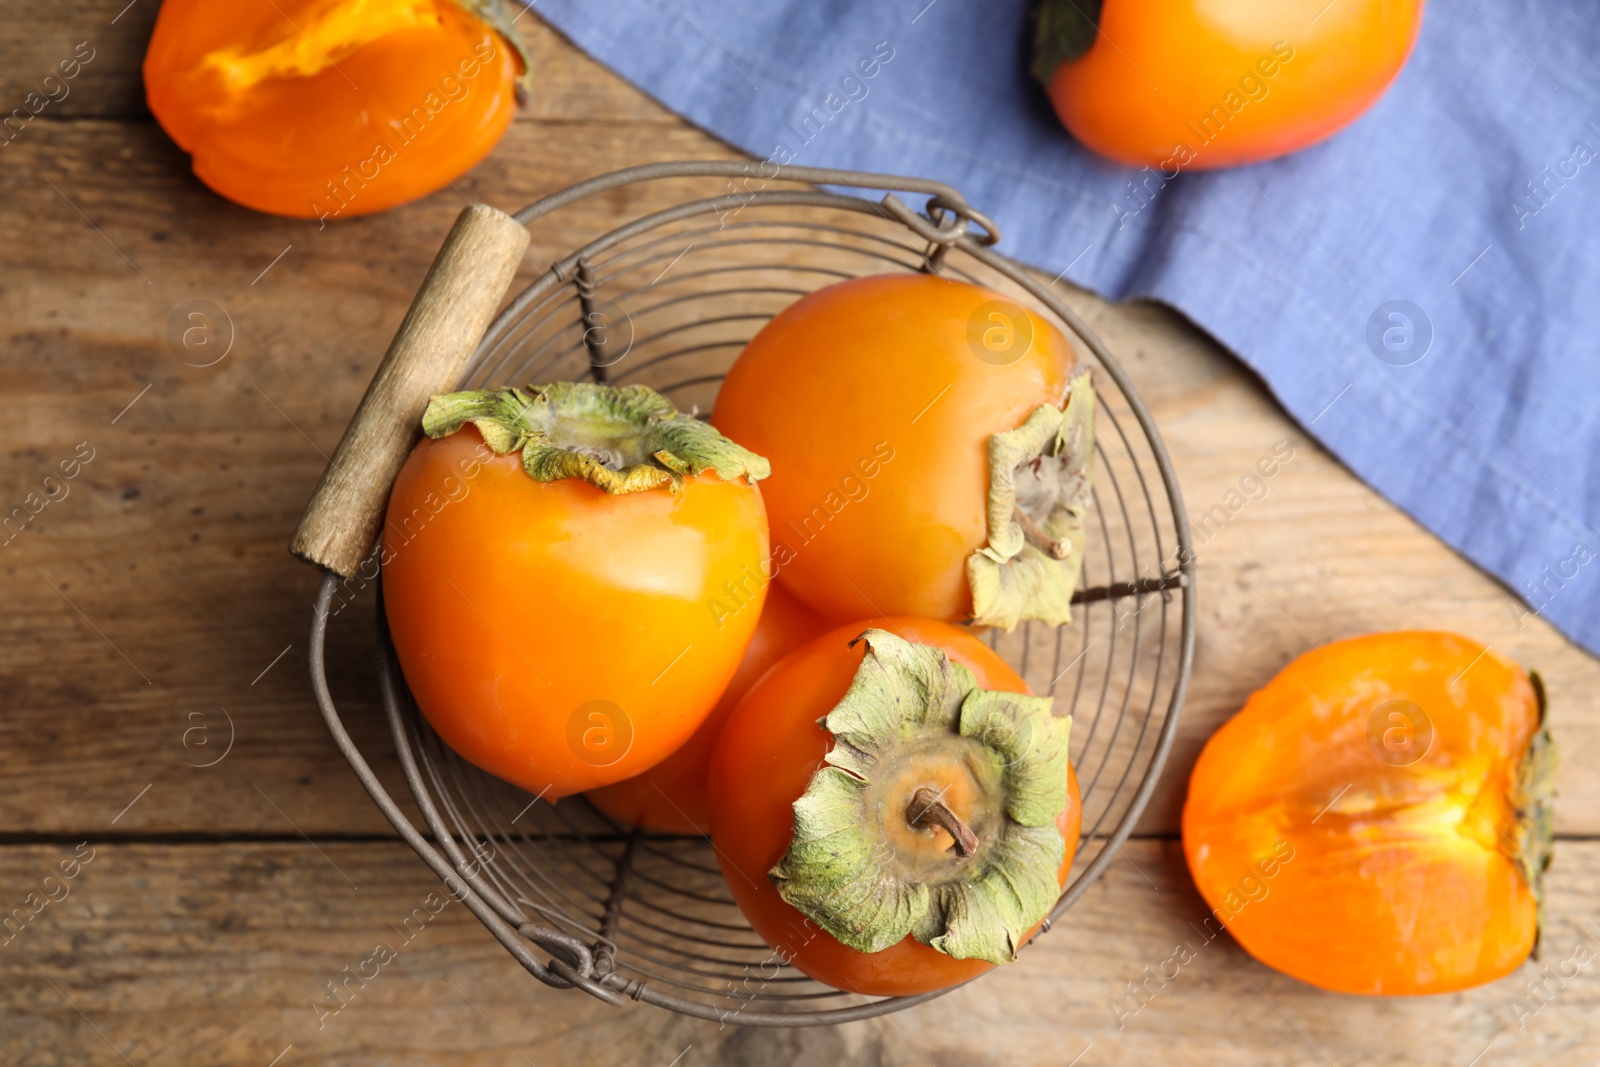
91, 51
113, 33
221, 954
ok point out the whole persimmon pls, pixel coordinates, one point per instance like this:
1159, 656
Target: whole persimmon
1376, 819
671, 796
892, 811
332, 108
931, 451
1195, 84
550, 561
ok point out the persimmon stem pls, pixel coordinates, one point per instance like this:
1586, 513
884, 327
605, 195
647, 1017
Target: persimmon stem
928, 805
1039, 539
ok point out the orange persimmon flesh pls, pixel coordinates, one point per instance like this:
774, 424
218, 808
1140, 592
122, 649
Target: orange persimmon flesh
1360, 868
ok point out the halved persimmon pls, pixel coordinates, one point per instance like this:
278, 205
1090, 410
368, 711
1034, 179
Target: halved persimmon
332, 108
1376, 819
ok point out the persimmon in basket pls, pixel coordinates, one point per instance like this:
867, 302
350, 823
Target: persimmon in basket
932, 446
1377, 818
332, 108
549, 561
894, 813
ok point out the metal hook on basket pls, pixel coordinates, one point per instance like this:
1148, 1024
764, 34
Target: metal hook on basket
941, 205
569, 957
944, 224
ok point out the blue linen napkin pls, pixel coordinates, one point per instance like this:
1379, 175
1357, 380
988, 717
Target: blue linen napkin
1422, 291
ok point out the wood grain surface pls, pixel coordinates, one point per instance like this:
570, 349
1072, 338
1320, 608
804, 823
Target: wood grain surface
152, 650
223, 953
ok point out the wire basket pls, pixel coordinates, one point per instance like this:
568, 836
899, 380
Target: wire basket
669, 300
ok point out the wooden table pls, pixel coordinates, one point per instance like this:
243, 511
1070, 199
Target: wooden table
154, 602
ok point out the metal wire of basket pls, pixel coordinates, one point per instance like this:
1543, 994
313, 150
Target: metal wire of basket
669, 300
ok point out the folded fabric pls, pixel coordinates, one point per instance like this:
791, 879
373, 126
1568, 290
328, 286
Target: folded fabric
1422, 291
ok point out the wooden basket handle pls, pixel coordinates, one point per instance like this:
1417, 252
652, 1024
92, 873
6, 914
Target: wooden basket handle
452, 309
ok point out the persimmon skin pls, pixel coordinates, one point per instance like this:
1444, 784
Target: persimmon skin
1158, 68
876, 412
769, 750
305, 142
512, 603
671, 796
1401, 879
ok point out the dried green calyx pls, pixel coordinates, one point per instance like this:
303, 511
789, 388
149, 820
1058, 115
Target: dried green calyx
499, 16
1040, 477
865, 863
1063, 31
1534, 802
627, 439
